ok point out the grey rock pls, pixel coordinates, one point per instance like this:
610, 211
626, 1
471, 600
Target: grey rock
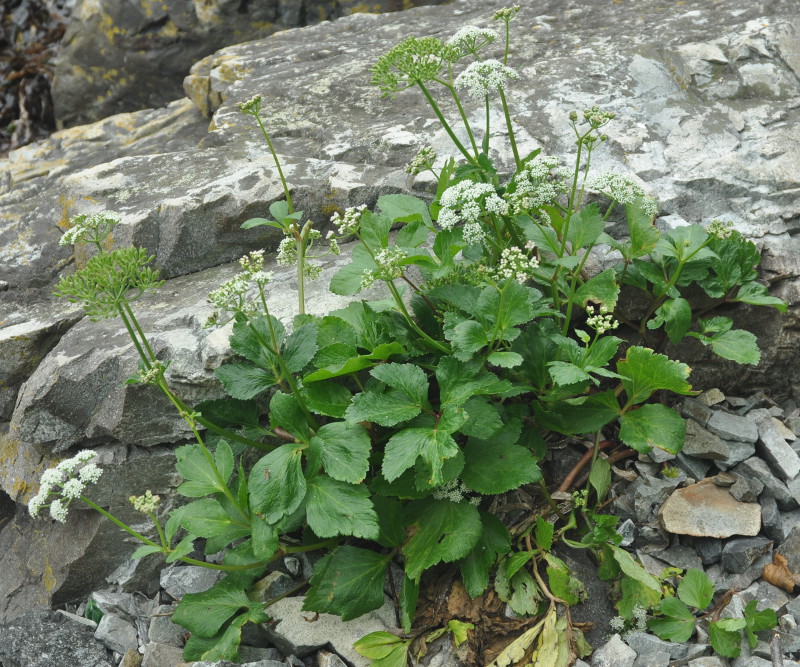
291, 633
628, 532
711, 397
771, 520
161, 628
117, 604
773, 487
793, 607
702, 444
257, 663
740, 552
708, 661
254, 654
649, 493
44, 639
736, 453
644, 644
326, 659
680, 556
131, 659
694, 468
746, 489
772, 447
726, 580
657, 659
766, 596
790, 549
116, 634
693, 409
88, 622
709, 549
614, 653
183, 579
272, 585
161, 655
732, 427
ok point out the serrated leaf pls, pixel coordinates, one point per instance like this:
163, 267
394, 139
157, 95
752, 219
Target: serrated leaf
347, 582
544, 534
466, 336
344, 450
727, 643
643, 234
222, 646
407, 378
347, 280
757, 621
433, 444
653, 425
276, 484
564, 586
185, 546
581, 415
677, 624
252, 337
300, 347
758, 294
496, 466
737, 345
285, 411
265, 538
635, 594
585, 226
327, 398
475, 567
387, 409
677, 316
441, 530
244, 380
505, 359
601, 289
338, 508
696, 589
230, 412
647, 372
633, 569
207, 518
482, 419
204, 613
195, 467
564, 373
404, 208
600, 478
459, 381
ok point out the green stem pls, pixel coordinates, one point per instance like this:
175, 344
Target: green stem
446, 125
549, 499
277, 164
302, 242
464, 119
160, 530
138, 328
404, 311
132, 334
511, 138
119, 523
486, 135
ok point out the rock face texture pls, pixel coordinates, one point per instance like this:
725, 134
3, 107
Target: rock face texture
120, 55
707, 99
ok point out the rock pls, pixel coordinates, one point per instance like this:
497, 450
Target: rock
131, 659
614, 653
766, 596
790, 549
732, 427
773, 487
694, 468
648, 495
161, 628
116, 634
178, 580
326, 659
647, 644
45, 638
708, 661
272, 585
711, 397
746, 489
771, 520
680, 556
772, 447
291, 633
160, 655
726, 580
253, 654
657, 659
703, 444
740, 552
706, 510
694, 409
709, 549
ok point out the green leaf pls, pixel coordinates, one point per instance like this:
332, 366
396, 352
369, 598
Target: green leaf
602, 289
757, 621
204, 613
433, 444
497, 465
207, 518
327, 398
347, 582
677, 624
466, 336
643, 234
184, 547
505, 359
475, 567
409, 595
145, 550
758, 294
647, 372
345, 450
564, 586
194, 466
300, 347
285, 411
249, 339
585, 226
677, 316
389, 511
338, 508
564, 373
633, 569
347, 280
386, 409
441, 530
544, 534
727, 643
737, 345
482, 419
459, 381
404, 208
244, 380
635, 594
230, 412
407, 378
696, 589
516, 560
580, 415
600, 478
222, 646
259, 222
265, 538
276, 484
383, 649
653, 425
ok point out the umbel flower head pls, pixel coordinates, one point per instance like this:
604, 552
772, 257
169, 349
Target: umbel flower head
109, 280
231, 296
485, 75
412, 62
471, 38
66, 482
89, 229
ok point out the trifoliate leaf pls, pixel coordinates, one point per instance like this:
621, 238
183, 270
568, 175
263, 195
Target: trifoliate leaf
347, 582
204, 613
677, 625
497, 466
647, 372
441, 531
475, 567
727, 643
696, 589
585, 226
276, 484
338, 508
653, 425
344, 450
432, 444
757, 621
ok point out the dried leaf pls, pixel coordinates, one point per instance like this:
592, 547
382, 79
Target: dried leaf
778, 574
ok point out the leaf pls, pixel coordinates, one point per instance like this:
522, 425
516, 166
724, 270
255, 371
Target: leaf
496, 466
727, 643
677, 624
585, 226
249, 339
195, 467
408, 602
564, 373
580, 415
601, 289
475, 567
244, 380
265, 538
643, 234
482, 419
338, 508
757, 621
184, 547
300, 347
410, 379
459, 381
505, 359
600, 478
345, 450
554, 642
653, 425
383, 649
145, 550
386, 409
327, 398
207, 518
677, 316
222, 646
633, 569
696, 589
404, 208
285, 411
459, 630
229, 412
758, 294
516, 560
276, 484
516, 650
544, 534
441, 530
635, 594
737, 345
347, 280
204, 613
646, 372
466, 336
348, 582
432, 444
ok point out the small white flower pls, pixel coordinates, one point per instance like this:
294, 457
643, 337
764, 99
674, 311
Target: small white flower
484, 75
87, 454
472, 200
721, 229
58, 510
624, 190
471, 38
51, 478
68, 465
473, 232
90, 473
36, 503
424, 159
253, 261
72, 489
287, 252
514, 263
506, 14
348, 223
602, 321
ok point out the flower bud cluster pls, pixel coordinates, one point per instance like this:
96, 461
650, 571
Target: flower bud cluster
722, 229
514, 263
153, 374
422, 161
506, 14
390, 266
623, 190
348, 223
145, 504
601, 321
597, 118
67, 481
251, 107
471, 38
472, 200
484, 75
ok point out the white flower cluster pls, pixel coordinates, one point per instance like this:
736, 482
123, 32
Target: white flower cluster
720, 228
423, 160
87, 228
231, 296
484, 75
623, 190
601, 321
348, 223
456, 492
287, 252
597, 118
390, 266
63, 483
145, 504
539, 183
472, 200
514, 263
471, 38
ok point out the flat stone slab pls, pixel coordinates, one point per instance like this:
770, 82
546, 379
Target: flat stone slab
733, 427
707, 510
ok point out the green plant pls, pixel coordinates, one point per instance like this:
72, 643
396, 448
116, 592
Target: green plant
394, 425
